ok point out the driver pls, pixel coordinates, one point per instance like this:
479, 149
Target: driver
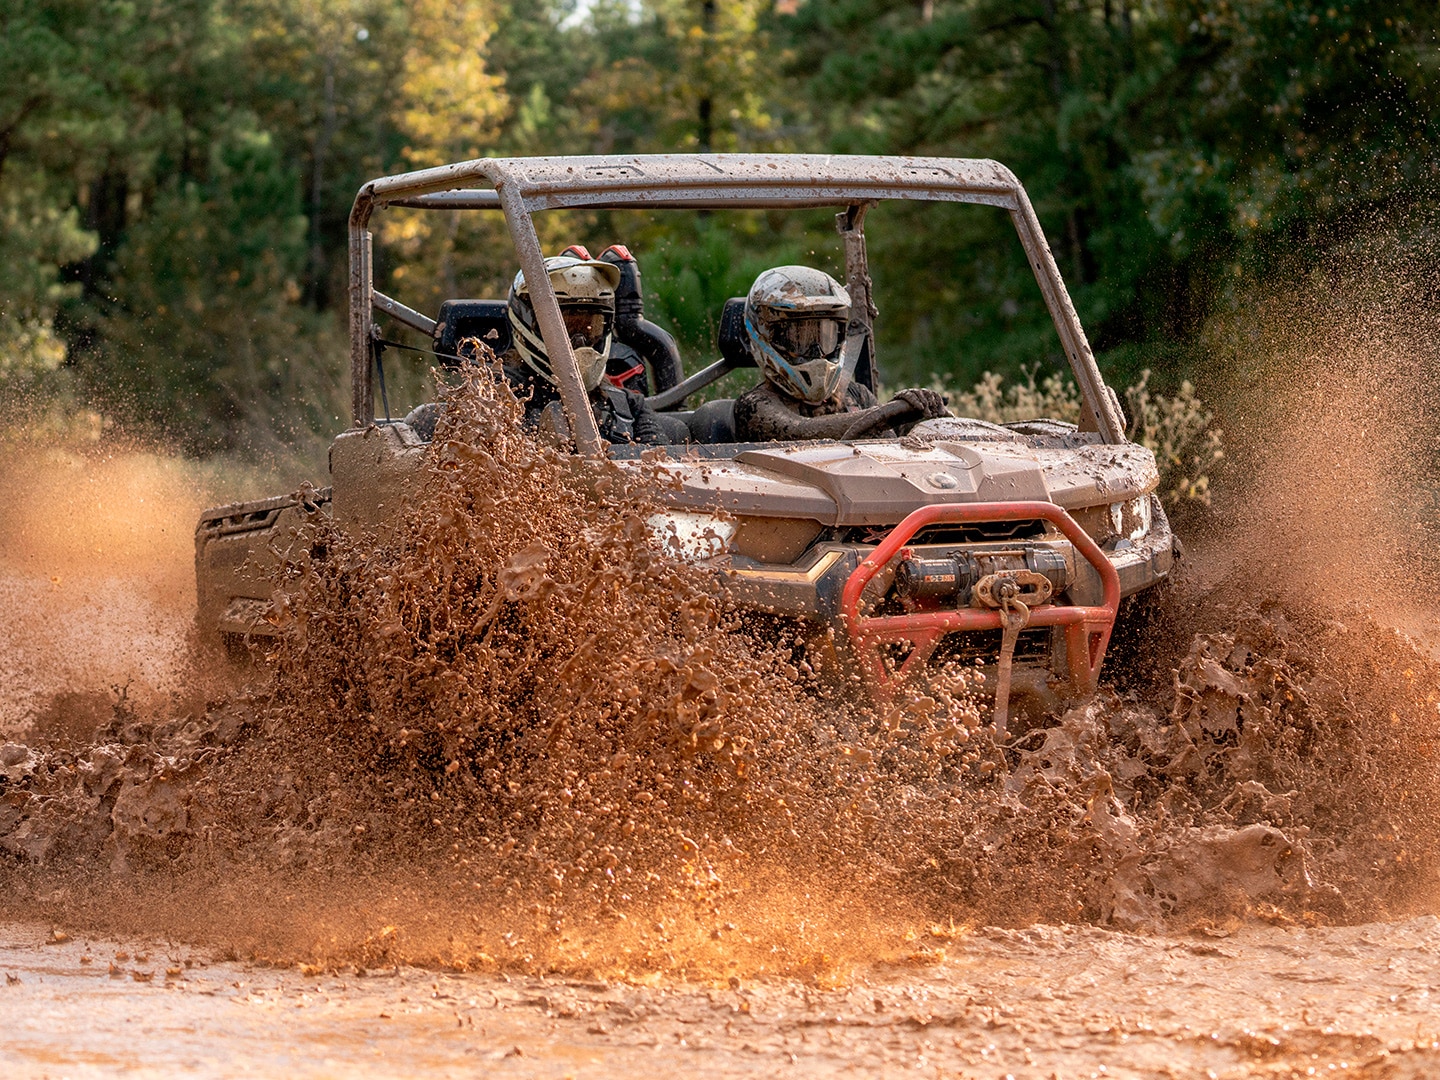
796, 319
585, 288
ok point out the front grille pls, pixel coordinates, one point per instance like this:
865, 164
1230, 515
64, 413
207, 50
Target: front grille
1031, 647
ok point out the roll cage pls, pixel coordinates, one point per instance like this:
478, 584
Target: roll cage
851, 184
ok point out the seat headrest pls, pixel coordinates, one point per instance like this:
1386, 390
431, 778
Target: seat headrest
731, 339
485, 319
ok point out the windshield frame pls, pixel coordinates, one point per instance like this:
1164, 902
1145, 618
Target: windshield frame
519, 187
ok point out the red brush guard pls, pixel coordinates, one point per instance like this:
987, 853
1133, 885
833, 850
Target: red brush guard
1087, 629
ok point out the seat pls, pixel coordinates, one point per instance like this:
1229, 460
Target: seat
713, 422
655, 346
730, 338
460, 319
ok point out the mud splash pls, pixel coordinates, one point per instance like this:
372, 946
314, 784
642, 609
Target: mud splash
94, 580
517, 734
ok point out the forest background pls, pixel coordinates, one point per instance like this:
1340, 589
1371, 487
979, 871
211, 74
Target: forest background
175, 175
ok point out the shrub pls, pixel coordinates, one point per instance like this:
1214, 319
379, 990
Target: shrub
1180, 431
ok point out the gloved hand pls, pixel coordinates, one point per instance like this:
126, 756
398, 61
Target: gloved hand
927, 403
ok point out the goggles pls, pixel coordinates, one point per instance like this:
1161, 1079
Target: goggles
585, 326
807, 339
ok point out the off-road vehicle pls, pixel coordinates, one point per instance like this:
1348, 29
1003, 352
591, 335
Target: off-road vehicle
1009, 545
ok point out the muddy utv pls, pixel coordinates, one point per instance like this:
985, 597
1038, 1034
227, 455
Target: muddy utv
1007, 545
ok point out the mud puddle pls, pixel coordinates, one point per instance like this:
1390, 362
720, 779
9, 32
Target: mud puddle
1047, 1001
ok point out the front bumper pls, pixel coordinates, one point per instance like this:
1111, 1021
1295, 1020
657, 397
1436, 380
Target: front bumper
814, 588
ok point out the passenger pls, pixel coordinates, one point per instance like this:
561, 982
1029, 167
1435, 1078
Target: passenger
625, 368
585, 289
796, 319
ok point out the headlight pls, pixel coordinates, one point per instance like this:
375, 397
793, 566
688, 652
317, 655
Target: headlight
690, 536
1131, 519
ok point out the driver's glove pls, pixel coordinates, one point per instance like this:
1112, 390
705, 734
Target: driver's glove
927, 403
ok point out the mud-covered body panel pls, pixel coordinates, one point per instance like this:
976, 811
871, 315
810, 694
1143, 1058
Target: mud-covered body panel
879, 482
828, 502
373, 472
238, 550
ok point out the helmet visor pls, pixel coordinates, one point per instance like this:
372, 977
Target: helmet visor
807, 339
586, 326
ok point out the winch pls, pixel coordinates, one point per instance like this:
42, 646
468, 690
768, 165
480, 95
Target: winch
953, 577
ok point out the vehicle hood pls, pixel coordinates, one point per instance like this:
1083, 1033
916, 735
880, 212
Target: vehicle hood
880, 482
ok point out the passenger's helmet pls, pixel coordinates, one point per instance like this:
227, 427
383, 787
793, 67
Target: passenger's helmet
795, 317
586, 291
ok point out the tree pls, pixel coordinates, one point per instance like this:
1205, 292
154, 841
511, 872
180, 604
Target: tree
1166, 144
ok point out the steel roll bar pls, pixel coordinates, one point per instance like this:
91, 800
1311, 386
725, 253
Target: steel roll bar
522, 186
1087, 629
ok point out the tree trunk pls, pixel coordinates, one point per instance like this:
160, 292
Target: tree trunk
705, 136
7, 133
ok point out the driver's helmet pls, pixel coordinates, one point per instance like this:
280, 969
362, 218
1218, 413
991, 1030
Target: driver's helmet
795, 317
585, 289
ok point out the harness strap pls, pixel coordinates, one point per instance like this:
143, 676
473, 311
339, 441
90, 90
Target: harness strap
619, 381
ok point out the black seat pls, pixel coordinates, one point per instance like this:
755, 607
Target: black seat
654, 344
713, 422
733, 342
460, 319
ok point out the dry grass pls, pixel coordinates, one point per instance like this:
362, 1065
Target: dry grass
1178, 429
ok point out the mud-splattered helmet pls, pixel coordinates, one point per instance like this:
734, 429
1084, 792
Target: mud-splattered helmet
795, 317
585, 289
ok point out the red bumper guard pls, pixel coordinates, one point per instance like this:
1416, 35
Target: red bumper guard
1087, 629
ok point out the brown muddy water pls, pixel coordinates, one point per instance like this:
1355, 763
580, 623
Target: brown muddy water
1040, 1002
514, 793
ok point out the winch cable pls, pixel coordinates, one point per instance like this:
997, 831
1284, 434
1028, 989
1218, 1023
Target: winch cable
1014, 617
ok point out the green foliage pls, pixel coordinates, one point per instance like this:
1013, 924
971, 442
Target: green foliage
176, 175
693, 265
37, 237
187, 170
1165, 145
203, 322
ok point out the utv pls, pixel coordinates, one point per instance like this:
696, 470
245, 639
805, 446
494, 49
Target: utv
1007, 545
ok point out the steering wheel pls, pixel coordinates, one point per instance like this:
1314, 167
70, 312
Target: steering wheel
891, 414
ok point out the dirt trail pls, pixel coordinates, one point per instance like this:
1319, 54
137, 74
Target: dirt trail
1033, 1003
